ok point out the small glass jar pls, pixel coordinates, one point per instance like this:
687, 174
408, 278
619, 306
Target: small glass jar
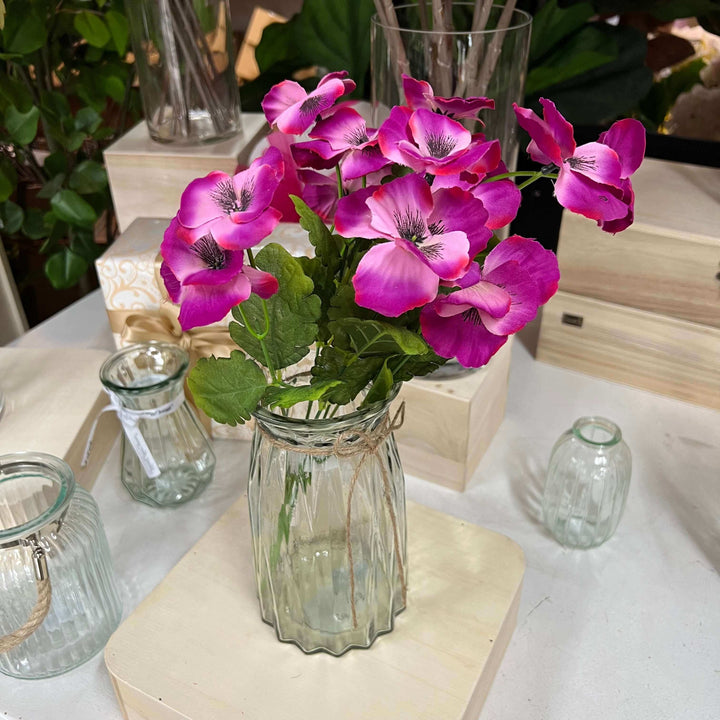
45, 517
587, 483
185, 61
167, 458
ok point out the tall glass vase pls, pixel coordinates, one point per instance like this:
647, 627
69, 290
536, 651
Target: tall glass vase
491, 62
327, 511
185, 61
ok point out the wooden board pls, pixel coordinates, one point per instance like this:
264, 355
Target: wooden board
197, 648
643, 349
52, 398
449, 424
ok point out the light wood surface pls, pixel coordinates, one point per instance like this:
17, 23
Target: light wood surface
52, 398
646, 350
449, 424
197, 648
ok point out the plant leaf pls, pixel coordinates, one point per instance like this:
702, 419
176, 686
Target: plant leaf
372, 337
227, 389
24, 30
293, 312
11, 217
65, 268
22, 126
119, 29
327, 246
381, 386
71, 208
88, 177
34, 224
87, 120
552, 24
92, 28
8, 179
52, 186
285, 397
332, 364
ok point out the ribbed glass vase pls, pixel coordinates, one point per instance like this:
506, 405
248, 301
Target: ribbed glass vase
587, 483
40, 502
327, 511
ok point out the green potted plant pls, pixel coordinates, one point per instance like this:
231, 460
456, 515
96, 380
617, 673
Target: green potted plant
65, 93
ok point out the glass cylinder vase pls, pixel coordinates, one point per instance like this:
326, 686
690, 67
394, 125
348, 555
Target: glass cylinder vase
460, 62
185, 61
587, 483
167, 458
327, 511
54, 559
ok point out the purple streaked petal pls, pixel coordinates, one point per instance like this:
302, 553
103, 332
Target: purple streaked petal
178, 254
462, 336
280, 97
390, 280
597, 162
234, 236
262, 283
561, 129
463, 107
172, 284
501, 199
358, 163
455, 209
580, 194
543, 147
446, 254
199, 201
253, 189
394, 131
352, 218
348, 84
628, 198
524, 294
437, 136
316, 154
400, 207
418, 93
627, 138
299, 116
345, 129
541, 264
485, 296
203, 305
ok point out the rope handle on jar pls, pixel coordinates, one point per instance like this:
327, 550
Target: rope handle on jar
42, 605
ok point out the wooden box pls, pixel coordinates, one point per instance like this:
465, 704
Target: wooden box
52, 397
643, 306
147, 178
449, 424
197, 647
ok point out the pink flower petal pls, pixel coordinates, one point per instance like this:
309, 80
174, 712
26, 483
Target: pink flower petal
353, 216
281, 97
358, 163
252, 190
417, 93
597, 162
400, 207
203, 305
627, 138
315, 154
502, 200
524, 294
234, 236
262, 283
172, 284
561, 129
463, 107
178, 254
446, 254
301, 115
394, 131
437, 136
198, 203
343, 130
457, 210
593, 200
542, 148
485, 296
390, 280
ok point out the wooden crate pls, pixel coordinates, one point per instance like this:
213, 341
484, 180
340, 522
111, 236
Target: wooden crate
147, 178
449, 424
197, 647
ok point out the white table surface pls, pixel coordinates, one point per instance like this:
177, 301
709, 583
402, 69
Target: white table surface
627, 630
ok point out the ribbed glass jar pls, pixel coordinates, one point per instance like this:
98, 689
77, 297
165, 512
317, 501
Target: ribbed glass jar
587, 483
327, 511
39, 499
167, 458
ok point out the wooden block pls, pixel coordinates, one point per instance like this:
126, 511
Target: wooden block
147, 178
449, 424
667, 261
246, 68
646, 350
197, 647
52, 398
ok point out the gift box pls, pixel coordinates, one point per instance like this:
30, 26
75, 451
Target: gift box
52, 397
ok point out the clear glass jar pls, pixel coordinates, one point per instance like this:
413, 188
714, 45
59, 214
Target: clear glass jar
167, 458
40, 507
186, 68
327, 511
587, 483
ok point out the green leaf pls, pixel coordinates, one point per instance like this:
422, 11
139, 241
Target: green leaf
54, 106
372, 337
82, 242
52, 186
71, 208
293, 312
56, 163
74, 140
285, 397
114, 87
92, 28
417, 366
13, 92
22, 126
87, 120
34, 224
88, 177
11, 217
552, 24
277, 45
119, 29
65, 268
8, 179
381, 387
227, 389
24, 29
327, 246
334, 364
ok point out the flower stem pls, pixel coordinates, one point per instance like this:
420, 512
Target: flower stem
533, 175
339, 181
251, 258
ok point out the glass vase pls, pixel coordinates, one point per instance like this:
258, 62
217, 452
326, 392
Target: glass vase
327, 512
167, 458
52, 537
185, 62
587, 483
462, 62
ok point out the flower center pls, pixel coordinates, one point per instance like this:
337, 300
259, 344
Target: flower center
410, 225
210, 252
311, 106
357, 136
223, 195
471, 315
581, 163
440, 145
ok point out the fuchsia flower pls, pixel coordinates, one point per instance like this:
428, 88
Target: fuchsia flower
234, 210
474, 322
432, 237
419, 94
205, 278
593, 179
432, 143
293, 110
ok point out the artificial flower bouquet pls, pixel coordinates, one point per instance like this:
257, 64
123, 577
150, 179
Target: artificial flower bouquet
407, 272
